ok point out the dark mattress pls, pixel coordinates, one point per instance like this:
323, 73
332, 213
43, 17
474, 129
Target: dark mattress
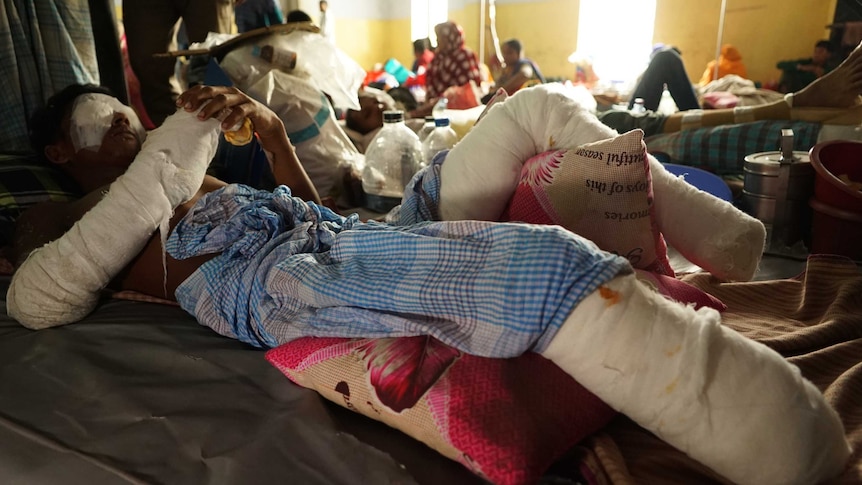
139, 392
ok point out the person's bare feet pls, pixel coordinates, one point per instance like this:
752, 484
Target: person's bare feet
839, 88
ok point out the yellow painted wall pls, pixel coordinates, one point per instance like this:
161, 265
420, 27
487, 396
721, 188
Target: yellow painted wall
765, 31
547, 29
367, 39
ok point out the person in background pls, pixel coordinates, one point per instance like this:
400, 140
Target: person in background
798, 73
454, 64
838, 91
327, 23
254, 14
518, 70
151, 28
423, 55
729, 62
363, 124
665, 69
297, 16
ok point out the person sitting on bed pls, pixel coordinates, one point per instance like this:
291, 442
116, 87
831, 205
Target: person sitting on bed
665, 69
454, 65
268, 267
518, 71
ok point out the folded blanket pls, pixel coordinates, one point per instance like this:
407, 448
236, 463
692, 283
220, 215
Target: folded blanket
291, 269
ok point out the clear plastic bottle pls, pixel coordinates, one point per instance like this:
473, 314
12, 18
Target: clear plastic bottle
391, 160
427, 128
638, 108
442, 138
440, 107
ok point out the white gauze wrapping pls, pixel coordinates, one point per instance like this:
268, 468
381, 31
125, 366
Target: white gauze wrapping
708, 231
729, 402
60, 282
482, 171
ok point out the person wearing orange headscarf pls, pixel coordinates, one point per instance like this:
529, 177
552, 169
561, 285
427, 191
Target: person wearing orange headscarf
729, 62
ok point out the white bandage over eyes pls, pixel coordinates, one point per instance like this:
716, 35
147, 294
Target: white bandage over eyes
92, 116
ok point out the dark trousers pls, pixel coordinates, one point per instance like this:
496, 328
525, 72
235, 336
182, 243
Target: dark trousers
665, 68
151, 27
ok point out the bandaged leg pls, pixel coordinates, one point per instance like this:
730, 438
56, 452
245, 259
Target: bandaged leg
708, 231
60, 282
728, 402
482, 171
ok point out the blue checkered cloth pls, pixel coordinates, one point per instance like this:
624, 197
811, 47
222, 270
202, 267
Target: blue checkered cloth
44, 47
290, 269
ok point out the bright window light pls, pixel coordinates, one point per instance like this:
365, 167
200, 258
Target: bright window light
617, 36
424, 15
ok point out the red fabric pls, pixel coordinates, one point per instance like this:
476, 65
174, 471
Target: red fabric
134, 87
424, 60
454, 65
507, 420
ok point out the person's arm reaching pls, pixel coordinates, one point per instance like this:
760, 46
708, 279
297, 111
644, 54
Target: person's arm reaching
269, 128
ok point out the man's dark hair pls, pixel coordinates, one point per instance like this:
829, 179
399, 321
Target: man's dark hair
419, 45
44, 126
297, 16
514, 44
824, 44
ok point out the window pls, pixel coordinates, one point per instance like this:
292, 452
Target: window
424, 15
617, 36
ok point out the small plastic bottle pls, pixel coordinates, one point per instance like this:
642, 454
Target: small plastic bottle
427, 128
440, 108
638, 108
391, 160
280, 58
442, 138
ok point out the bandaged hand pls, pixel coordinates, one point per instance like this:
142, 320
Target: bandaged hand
60, 282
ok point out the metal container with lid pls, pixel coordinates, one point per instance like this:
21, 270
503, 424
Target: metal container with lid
776, 190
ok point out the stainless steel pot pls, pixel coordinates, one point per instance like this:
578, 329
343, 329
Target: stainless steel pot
776, 190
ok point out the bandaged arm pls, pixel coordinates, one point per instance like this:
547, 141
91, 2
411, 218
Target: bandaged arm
60, 282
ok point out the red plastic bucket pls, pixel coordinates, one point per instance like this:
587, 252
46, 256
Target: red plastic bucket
837, 217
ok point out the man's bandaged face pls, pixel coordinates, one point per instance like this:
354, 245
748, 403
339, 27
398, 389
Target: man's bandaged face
92, 118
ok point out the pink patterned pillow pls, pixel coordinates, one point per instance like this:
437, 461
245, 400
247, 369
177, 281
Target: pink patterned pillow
602, 191
507, 420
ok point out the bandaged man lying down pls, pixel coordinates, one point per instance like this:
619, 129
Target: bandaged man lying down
269, 267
